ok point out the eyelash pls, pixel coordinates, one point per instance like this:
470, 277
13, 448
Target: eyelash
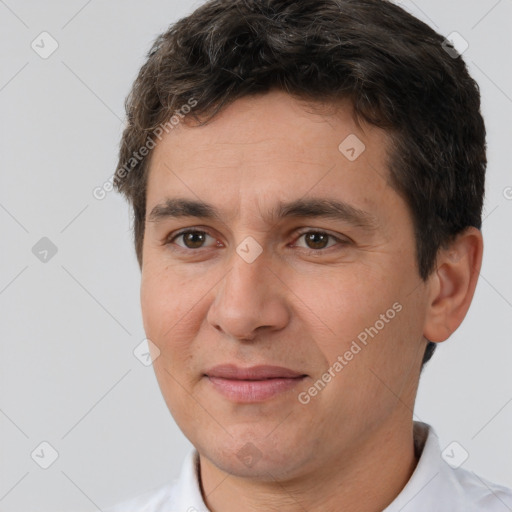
170, 240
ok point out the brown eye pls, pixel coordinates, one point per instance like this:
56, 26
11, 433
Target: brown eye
191, 239
316, 240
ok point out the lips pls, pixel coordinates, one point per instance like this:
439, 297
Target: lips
254, 384
230, 371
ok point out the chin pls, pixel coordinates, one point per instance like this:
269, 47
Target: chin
256, 456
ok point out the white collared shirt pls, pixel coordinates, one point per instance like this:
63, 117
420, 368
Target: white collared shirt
434, 486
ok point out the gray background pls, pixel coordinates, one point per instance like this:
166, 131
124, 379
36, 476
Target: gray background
68, 375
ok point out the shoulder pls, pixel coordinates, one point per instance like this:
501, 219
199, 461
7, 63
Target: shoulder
158, 499
180, 495
438, 484
482, 494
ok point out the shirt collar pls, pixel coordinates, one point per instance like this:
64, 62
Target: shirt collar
431, 479
189, 496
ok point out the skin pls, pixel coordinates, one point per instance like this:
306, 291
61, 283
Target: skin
205, 305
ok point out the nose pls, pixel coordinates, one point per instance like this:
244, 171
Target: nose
249, 301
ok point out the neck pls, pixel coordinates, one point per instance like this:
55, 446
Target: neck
364, 478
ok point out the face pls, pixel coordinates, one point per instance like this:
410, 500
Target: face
288, 312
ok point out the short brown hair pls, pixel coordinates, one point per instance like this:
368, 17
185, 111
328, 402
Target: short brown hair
398, 73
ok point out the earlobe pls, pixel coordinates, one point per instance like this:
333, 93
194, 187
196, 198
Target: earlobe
453, 284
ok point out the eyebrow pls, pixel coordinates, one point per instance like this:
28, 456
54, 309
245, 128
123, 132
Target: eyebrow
310, 208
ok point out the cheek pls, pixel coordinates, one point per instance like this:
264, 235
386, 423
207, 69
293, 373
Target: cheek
167, 310
174, 309
344, 303
154, 301
374, 324
376, 376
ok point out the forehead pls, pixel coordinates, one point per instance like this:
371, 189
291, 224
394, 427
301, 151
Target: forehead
295, 126
272, 145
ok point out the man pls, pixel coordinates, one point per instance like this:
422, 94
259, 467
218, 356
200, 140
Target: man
307, 182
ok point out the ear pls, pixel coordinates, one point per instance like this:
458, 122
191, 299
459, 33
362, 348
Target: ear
452, 285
